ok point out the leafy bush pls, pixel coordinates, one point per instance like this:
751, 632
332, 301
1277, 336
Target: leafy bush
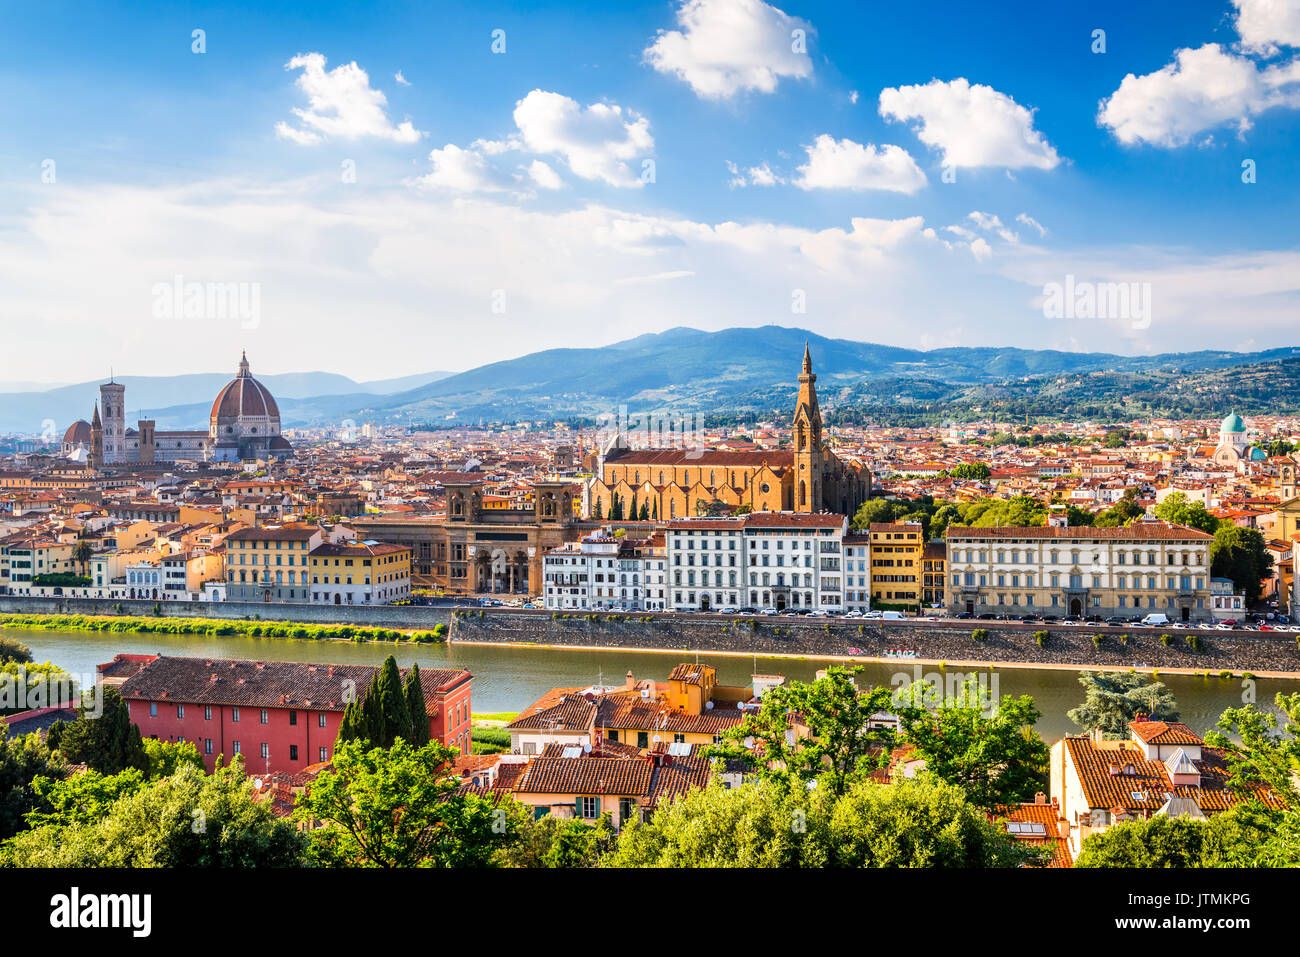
980, 634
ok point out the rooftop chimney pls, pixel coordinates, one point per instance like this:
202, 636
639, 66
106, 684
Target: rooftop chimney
631, 682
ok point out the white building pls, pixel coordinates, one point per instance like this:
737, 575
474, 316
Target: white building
857, 572
1228, 604
762, 560
605, 572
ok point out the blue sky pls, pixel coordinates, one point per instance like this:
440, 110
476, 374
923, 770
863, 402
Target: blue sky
502, 201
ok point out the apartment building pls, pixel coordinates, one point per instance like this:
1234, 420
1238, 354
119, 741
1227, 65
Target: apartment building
271, 563
605, 572
857, 571
1136, 570
897, 554
764, 560
359, 573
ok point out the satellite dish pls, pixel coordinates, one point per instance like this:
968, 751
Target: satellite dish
708, 706
657, 739
257, 783
740, 706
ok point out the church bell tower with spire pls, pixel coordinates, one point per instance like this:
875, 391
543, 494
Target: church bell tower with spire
809, 462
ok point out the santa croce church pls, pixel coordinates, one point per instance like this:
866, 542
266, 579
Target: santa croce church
677, 483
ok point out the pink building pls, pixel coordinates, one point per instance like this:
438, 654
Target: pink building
280, 715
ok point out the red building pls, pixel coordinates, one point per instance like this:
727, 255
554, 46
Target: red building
280, 715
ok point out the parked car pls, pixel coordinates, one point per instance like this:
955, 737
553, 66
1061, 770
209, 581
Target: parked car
1156, 619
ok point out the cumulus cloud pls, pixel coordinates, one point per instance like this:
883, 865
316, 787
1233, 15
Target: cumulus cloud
844, 164
544, 176
596, 142
466, 170
972, 125
728, 46
341, 104
1266, 25
1200, 90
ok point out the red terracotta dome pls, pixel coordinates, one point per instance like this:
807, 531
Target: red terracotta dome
78, 433
244, 396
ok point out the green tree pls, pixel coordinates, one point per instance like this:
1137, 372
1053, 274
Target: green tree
840, 745
13, 650
873, 510
971, 470
400, 807
167, 757
919, 822
354, 726
82, 798
1114, 698
190, 819
109, 743
1163, 841
413, 691
989, 751
1240, 554
1177, 509
23, 759
393, 720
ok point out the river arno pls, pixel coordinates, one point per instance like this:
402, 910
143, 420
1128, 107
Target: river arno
510, 678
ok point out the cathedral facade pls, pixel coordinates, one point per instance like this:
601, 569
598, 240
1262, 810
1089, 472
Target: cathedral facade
244, 424
663, 484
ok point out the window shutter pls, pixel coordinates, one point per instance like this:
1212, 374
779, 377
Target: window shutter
577, 806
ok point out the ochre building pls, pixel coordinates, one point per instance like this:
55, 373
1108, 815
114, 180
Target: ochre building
663, 484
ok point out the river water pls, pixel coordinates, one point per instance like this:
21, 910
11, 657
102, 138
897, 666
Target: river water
511, 678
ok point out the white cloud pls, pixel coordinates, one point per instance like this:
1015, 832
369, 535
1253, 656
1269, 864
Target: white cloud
401, 80
760, 175
544, 176
844, 164
596, 142
1265, 25
853, 97
992, 224
1200, 90
728, 46
78, 265
465, 171
1029, 221
972, 125
340, 104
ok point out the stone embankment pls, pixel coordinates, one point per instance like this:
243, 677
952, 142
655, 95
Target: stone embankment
1006, 642
387, 616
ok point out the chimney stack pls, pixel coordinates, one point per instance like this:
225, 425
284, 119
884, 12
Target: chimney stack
631, 682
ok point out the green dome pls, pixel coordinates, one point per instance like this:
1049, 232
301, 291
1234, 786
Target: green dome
1233, 423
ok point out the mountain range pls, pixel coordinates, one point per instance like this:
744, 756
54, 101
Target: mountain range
741, 370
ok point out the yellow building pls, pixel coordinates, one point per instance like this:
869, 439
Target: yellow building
897, 550
359, 573
664, 484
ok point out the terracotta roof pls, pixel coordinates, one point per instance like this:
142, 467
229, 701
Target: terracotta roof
1162, 732
268, 684
1142, 531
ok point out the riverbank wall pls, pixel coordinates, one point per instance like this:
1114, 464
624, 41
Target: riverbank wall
407, 617
1009, 643
1006, 642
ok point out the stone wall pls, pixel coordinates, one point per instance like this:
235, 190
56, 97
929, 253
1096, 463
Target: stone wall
1007, 642
388, 616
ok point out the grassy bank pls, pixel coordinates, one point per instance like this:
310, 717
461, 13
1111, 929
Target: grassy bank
216, 627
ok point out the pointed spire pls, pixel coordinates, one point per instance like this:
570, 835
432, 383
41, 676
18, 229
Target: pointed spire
243, 364
807, 358
95, 418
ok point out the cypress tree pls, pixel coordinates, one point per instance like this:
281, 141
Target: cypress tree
415, 707
353, 726
390, 704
